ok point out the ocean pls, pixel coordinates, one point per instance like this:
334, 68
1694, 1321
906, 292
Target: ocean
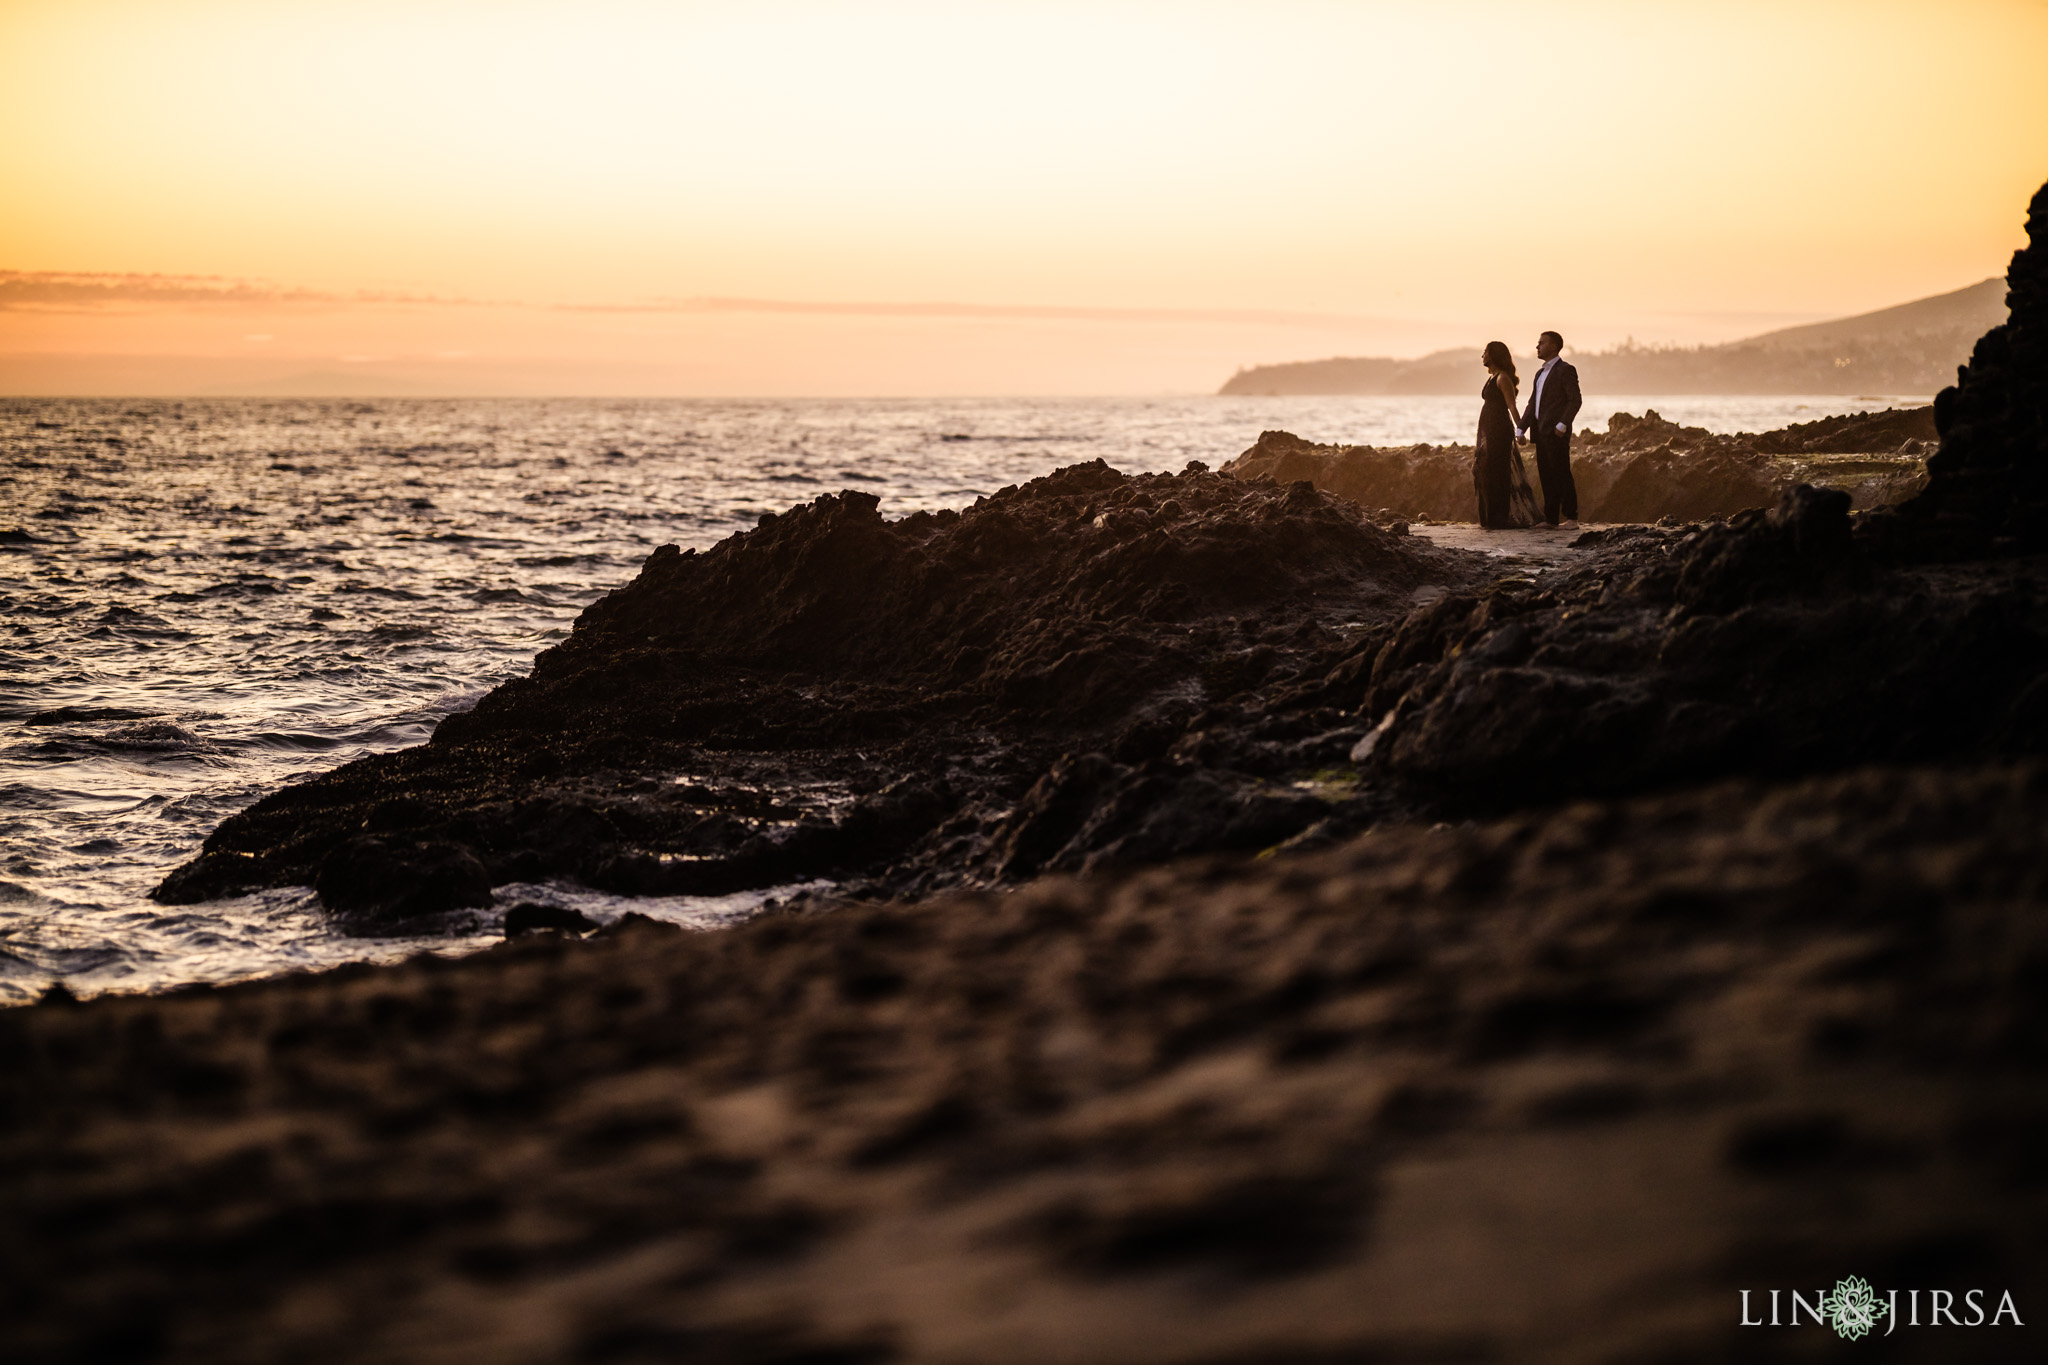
204, 600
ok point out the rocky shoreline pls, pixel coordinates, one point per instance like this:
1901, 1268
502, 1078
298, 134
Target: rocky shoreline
1041, 682
1094, 671
1262, 936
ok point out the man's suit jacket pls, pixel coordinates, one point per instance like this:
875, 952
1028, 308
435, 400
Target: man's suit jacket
1560, 399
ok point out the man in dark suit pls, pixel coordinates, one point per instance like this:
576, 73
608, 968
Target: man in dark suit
1553, 403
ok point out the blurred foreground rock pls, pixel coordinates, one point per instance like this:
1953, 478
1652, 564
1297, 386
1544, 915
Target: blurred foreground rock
1554, 1088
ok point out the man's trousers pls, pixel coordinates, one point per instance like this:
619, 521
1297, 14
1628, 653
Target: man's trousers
1554, 468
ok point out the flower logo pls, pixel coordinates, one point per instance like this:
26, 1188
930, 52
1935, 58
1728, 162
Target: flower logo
1853, 1308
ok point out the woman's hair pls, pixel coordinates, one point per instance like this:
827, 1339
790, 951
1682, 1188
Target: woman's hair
1497, 358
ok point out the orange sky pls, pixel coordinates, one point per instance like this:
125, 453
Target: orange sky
1175, 189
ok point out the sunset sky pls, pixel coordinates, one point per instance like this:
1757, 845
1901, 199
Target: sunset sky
974, 198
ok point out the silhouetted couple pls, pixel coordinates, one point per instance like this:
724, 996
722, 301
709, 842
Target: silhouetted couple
1497, 475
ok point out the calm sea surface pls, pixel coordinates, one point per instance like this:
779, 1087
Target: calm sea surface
203, 600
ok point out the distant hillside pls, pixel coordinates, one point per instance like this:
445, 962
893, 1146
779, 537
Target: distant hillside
1913, 348
1976, 310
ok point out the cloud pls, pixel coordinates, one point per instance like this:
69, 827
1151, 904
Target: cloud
84, 289
77, 290
1032, 312
69, 291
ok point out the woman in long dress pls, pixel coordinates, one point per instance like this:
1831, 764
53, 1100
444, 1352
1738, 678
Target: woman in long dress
1505, 500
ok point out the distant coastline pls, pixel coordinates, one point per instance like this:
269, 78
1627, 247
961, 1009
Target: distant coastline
1910, 349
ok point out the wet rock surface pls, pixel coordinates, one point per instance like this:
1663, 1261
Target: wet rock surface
1641, 469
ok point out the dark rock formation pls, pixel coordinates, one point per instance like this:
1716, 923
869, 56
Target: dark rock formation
1640, 469
1987, 490
382, 878
1768, 644
1907, 430
1683, 482
1424, 481
833, 695
529, 918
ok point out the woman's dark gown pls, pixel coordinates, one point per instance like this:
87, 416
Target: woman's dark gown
1497, 474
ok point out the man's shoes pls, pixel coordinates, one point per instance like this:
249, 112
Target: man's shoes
1569, 524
